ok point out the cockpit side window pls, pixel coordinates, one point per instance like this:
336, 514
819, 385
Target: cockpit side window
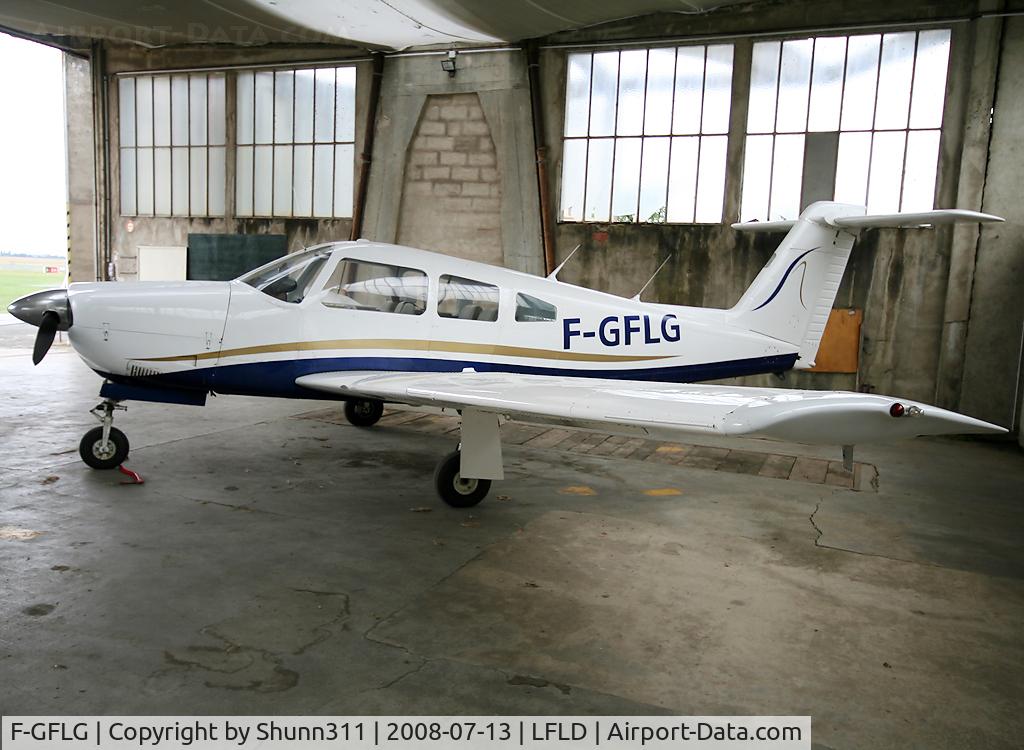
378, 287
467, 299
290, 278
529, 309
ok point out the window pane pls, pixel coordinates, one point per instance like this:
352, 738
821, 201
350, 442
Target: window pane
217, 118
529, 309
343, 160
787, 175
126, 107
626, 188
128, 181
604, 86
345, 105
689, 90
794, 84
217, 183
711, 179
144, 111
262, 181
264, 107
144, 157
245, 108
574, 169
757, 175
466, 299
930, 79
654, 180
894, 80
303, 106
827, 84
852, 168
718, 89
919, 174
198, 131
861, 77
162, 181
764, 74
162, 111
886, 172
577, 95
302, 192
632, 83
282, 180
197, 181
599, 180
360, 285
661, 66
179, 110
682, 184
323, 118
243, 181
179, 181
284, 89
323, 180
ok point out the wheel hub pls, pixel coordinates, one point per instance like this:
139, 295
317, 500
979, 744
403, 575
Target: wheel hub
465, 486
104, 451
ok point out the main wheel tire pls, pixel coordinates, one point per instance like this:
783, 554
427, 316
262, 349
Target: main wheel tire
95, 455
453, 489
363, 412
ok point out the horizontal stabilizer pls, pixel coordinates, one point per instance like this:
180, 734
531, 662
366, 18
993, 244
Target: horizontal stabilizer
922, 218
660, 410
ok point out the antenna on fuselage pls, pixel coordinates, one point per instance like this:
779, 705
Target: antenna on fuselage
636, 296
554, 274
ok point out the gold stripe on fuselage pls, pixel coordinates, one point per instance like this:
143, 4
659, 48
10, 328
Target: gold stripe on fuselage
457, 347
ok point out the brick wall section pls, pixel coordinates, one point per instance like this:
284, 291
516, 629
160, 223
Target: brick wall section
451, 198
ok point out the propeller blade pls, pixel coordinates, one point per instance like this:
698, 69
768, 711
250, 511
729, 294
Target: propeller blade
44, 338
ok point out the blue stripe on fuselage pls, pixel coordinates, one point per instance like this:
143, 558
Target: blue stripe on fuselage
277, 378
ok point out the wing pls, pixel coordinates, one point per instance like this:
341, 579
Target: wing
659, 410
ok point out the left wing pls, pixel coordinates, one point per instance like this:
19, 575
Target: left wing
660, 410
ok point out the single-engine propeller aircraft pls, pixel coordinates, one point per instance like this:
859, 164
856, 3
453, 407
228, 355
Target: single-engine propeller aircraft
370, 323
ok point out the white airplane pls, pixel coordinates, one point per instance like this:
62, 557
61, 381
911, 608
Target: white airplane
370, 323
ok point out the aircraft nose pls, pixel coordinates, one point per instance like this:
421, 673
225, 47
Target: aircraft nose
33, 307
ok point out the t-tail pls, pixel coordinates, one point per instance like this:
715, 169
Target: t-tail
792, 296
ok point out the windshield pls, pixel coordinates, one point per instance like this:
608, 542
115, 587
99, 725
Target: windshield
289, 278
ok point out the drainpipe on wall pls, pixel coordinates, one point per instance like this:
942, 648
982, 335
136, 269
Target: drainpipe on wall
537, 111
101, 159
366, 158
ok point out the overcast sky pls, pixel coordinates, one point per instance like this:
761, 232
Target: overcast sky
33, 193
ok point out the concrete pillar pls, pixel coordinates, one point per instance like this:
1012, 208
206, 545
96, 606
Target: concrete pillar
81, 171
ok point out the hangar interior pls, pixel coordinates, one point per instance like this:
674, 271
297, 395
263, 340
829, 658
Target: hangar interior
280, 561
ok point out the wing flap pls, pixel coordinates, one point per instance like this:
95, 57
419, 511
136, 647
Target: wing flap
659, 410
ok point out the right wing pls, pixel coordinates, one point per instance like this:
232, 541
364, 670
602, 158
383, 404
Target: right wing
658, 410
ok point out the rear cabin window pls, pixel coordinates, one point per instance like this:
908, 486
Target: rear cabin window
466, 299
378, 287
532, 310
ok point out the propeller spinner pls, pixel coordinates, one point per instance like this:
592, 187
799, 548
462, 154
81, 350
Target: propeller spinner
50, 311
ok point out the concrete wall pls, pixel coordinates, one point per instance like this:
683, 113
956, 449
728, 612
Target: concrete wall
80, 169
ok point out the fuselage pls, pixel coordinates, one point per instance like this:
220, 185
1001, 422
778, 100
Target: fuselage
353, 306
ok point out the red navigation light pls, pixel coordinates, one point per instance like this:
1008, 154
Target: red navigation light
897, 410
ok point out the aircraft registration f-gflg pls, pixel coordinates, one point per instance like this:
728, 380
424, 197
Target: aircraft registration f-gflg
371, 323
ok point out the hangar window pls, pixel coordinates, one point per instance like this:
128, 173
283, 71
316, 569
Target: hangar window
172, 144
363, 285
296, 142
466, 299
646, 134
532, 310
848, 118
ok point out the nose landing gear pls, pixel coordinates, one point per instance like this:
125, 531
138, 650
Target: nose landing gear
104, 447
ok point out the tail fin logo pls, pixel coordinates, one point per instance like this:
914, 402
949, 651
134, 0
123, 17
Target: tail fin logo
785, 277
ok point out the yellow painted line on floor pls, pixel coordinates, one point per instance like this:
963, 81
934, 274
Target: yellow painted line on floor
663, 492
670, 449
577, 490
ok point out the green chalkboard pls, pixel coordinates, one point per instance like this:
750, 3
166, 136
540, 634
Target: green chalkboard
220, 257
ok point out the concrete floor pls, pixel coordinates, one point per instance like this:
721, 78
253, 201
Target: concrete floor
279, 565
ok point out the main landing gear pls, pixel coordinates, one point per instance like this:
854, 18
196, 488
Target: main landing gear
104, 447
363, 412
454, 489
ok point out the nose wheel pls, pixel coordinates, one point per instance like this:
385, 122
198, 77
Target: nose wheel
104, 447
